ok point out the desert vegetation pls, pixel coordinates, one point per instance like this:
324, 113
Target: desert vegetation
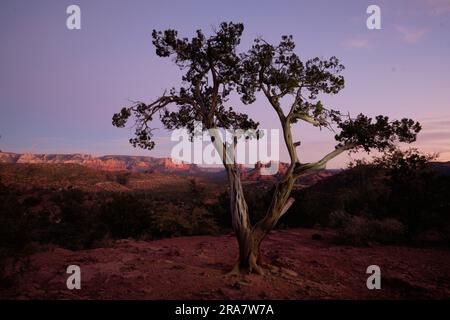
401, 198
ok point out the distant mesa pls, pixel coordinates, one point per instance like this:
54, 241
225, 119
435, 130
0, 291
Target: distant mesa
150, 165
106, 163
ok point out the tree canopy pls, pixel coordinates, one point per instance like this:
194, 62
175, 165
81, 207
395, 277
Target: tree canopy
212, 68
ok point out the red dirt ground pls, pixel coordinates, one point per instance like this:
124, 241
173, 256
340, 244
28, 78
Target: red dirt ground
195, 268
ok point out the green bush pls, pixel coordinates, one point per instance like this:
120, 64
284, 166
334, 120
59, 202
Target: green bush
361, 230
13, 231
142, 216
170, 220
403, 186
203, 222
127, 216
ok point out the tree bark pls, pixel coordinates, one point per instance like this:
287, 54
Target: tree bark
250, 237
249, 247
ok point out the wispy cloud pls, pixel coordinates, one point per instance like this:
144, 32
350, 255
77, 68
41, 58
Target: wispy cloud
437, 7
435, 136
411, 34
357, 43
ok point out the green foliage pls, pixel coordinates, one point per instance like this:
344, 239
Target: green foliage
362, 230
171, 221
221, 210
381, 134
403, 186
196, 191
201, 60
279, 68
126, 216
419, 196
77, 220
203, 222
68, 222
12, 220
13, 233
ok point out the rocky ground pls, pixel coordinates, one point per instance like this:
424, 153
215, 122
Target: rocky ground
298, 267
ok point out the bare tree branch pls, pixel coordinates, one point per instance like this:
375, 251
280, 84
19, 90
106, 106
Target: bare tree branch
321, 164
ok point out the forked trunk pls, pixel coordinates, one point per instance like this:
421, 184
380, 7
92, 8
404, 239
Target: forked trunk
250, 237
249, 254
249, 247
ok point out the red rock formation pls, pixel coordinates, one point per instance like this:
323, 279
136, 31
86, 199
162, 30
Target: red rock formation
106, 163
150, 164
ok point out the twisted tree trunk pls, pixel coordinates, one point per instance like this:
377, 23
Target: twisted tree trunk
250, 237
248, 260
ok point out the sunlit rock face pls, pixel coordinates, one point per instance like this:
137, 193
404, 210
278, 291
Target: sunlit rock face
161, 165
106, 163
7, 157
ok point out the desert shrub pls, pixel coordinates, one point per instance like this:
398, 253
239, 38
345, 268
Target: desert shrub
13, 231
339, 219
196, 191
75, 229
170, 220
126, 216
403, 186
75, 226
388, 230
419, 195
356, 190
361, 230
76, 220
203, 222
309, 208
221, 210
66, 196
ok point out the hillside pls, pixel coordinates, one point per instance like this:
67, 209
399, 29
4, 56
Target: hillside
144, 164
195, 268
74, 176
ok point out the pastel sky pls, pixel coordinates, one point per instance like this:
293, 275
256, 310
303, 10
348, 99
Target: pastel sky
59, 88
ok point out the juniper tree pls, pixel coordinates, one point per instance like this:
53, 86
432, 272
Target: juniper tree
212, 69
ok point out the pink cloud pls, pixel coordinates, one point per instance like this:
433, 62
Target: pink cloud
435, 136
357, 43
411, 34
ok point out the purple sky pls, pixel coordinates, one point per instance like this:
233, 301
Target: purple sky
59, 88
